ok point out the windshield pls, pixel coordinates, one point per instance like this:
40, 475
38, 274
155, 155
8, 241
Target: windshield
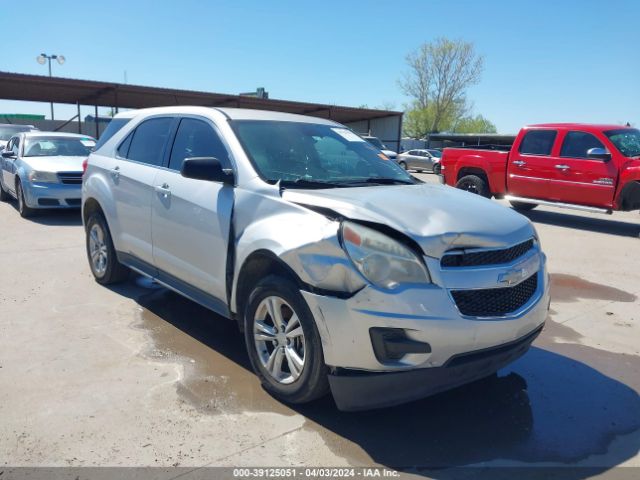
7, 132
314, 155
58, 146
435, 153
627, 140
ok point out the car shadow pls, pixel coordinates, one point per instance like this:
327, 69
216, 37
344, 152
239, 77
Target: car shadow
549, 406
57, 217
590, 224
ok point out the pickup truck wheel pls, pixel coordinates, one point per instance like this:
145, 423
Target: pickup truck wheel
403, 165
523, 207
474, 184
283, 342
102, 255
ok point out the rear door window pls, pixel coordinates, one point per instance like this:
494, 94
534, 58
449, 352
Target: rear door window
538, 142
149, 140
577, 144
196, 138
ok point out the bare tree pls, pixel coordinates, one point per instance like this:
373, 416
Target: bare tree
439, 75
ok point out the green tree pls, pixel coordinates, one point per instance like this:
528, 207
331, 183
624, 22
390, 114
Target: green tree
438, 77
477, 124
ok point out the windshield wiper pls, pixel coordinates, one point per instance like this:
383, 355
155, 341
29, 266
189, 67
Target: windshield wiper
308, 183
380, 181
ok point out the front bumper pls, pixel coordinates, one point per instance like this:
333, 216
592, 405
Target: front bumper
426, 315
357, 390
52, 195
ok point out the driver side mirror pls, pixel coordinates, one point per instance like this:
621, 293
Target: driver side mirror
8, 154
206, 168
599, 153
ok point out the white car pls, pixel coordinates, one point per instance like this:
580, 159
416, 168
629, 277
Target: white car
44, 170
375, 141
343, 271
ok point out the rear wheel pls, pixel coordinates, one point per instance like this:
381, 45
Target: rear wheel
474, 184
102, 255
403, 165
283, 342
24, 210
523, 207
437, 168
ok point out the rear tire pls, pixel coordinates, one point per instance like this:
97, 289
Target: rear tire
101, 254
403, 165
437, 168
285, 351
523, 207
24, 210
474, 184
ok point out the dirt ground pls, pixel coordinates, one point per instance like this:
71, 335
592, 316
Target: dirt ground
135, 375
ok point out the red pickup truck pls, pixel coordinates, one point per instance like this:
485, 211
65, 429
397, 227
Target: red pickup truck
586, 167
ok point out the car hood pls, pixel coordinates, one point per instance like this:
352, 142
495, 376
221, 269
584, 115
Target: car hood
55, 164
437, 217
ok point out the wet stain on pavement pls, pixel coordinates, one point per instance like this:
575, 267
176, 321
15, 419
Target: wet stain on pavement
217, 373
569, 288
561, 402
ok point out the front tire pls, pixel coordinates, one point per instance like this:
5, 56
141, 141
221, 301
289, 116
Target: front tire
523, 207
24, 210
474, 184
4, 195
101, 254
283, 342
403, 165
437, 168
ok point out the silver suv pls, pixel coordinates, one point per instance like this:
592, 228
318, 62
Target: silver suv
343, 271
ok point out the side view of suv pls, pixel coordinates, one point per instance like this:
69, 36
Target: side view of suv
343, 271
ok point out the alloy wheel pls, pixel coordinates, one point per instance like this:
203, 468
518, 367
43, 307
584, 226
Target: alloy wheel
279, 339
98, 250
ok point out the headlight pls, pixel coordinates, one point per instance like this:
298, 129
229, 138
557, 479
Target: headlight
383, 261
43, 177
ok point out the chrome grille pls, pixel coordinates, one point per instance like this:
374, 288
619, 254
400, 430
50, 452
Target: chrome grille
70, 178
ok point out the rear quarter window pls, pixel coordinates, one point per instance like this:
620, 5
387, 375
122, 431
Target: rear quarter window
115, 125
538, 142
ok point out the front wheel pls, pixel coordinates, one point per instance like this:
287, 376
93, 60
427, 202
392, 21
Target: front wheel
403, 165
102, 255
24, 210
474, 184
4, 195
523, 207
283, 342
437, 168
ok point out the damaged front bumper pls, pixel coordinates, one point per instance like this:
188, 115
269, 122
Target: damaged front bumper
434, 334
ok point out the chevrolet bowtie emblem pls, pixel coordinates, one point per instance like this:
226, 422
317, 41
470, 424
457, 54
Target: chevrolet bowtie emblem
512, 276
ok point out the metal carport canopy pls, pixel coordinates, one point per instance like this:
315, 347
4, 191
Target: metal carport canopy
38, 88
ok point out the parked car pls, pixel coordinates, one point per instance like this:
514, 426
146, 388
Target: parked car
375, 141
585, 167
8, 130
421, 160
343, 271
44, 170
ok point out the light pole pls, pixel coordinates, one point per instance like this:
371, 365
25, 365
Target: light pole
42, 58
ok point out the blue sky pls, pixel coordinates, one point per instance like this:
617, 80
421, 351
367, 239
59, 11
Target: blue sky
572, 60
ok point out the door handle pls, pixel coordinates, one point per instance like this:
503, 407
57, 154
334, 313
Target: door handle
163, 190
562, 167
520, 163
115, 172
